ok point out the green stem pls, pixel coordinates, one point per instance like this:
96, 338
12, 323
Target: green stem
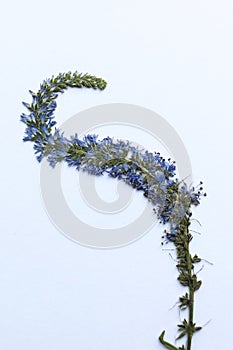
191, 300
191, 307
188, 279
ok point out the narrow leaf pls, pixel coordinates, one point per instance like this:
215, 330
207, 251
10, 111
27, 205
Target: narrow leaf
166, 344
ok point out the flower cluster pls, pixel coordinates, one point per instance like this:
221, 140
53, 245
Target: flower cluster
145, 171
56, 147
40, 119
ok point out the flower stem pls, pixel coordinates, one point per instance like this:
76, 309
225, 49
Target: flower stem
188, 279
191, 307
191, 300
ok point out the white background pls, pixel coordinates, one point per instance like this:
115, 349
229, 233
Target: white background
174, 57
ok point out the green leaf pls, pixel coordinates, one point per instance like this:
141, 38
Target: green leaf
196, 259
181, 335
166, 344
184, 301
196, 284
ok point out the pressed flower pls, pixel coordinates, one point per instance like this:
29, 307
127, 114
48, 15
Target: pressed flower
145, 171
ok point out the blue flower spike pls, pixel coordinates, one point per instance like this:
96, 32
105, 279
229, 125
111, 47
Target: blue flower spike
145, 171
